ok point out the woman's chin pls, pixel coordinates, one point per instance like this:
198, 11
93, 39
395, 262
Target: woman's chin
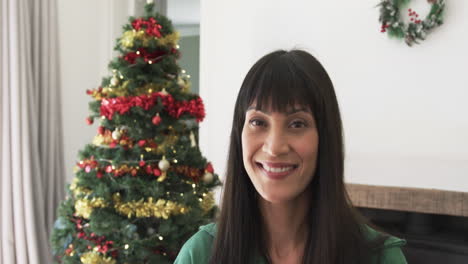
276, 197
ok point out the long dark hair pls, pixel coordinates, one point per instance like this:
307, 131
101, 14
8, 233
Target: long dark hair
279, 80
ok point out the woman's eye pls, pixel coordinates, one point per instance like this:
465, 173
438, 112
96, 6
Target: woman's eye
298, 124
257, 122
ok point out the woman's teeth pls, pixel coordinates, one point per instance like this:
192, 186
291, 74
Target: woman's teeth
281, 169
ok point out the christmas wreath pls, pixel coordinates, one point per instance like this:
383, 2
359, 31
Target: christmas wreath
416, 29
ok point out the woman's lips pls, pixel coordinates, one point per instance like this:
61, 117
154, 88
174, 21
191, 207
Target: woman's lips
277, 171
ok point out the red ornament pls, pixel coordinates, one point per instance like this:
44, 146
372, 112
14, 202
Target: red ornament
101, 130
142, 163
209, 168
156, 172
141, 143
134, 172
149, 170
99, 174
89, 120
112, 145
156, 120
109, 169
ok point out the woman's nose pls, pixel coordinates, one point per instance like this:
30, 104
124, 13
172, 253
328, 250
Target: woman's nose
275, 143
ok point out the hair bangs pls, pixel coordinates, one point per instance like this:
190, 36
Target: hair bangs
278, 86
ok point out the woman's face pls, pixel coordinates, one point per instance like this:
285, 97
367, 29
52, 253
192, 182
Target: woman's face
280, 151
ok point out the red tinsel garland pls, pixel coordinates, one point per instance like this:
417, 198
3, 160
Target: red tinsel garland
154, 56
149, 169
176, 109
100, 242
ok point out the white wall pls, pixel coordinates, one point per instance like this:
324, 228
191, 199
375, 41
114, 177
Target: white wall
405, 109
87, 30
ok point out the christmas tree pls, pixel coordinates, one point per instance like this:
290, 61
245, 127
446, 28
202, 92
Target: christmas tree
142, 187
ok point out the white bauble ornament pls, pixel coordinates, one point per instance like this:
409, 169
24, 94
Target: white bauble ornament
164, 92
180, 81
193, 142
116, 134
208, 177
114, 81
164, 164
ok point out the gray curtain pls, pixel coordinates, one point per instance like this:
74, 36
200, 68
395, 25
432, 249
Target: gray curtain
31, 155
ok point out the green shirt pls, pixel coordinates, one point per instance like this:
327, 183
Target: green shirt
197, 250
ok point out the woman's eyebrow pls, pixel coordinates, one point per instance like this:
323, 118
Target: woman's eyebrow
293, 111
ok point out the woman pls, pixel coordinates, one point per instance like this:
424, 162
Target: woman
284, 199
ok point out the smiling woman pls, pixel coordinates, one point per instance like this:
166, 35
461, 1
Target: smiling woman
280, 153
284, 199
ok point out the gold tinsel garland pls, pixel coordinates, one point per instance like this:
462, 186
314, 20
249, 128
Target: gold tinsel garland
122, 90
159, 209
78, 190
84, 207
92, 257
129, 37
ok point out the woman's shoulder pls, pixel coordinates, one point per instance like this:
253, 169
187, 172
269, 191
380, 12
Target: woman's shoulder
391, 249
198, 248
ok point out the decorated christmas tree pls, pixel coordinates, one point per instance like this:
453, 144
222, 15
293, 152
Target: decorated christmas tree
142, 187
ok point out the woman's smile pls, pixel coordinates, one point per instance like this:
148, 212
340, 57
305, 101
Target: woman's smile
276, 170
